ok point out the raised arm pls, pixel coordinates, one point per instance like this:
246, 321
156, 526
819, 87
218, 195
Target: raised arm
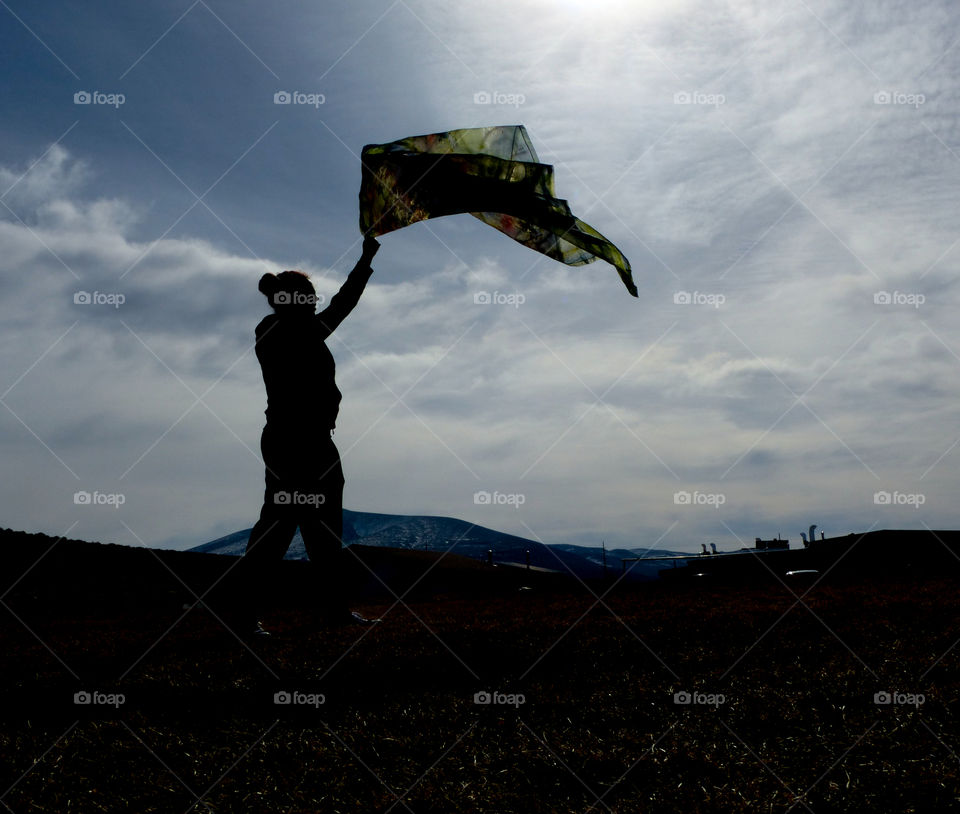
344, 301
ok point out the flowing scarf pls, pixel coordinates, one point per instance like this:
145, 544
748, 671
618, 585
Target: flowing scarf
490, 172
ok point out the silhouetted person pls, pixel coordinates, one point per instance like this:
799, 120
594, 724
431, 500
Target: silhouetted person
304, 479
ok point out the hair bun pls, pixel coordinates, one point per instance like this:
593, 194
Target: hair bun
268, 285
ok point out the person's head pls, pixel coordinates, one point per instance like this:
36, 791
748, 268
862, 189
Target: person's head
290, 293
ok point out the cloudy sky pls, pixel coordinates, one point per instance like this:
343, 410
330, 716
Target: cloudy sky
782, 175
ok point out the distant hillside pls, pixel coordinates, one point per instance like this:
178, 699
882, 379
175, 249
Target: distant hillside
48, 576
428, 533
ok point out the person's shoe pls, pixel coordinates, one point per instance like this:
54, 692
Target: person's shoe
256, 631
347, 618
360, 619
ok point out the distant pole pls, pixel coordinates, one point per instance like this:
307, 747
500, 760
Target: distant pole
489, 556
528, 559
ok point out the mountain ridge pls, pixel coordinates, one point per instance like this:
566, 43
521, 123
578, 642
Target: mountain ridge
444, 533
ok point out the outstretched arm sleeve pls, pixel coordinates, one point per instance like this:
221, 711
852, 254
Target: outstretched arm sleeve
344, 301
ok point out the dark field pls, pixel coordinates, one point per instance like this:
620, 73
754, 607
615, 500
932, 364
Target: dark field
785, 717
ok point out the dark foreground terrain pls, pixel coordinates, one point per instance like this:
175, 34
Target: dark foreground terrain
836, 692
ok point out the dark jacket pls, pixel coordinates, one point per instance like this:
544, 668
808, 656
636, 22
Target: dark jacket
298, 368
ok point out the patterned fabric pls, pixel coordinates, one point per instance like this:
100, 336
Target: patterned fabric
491, 172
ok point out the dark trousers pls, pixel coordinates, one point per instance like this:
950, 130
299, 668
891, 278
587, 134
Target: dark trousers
304, 487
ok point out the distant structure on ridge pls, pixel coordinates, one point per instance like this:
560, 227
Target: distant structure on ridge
771, 545
807, 540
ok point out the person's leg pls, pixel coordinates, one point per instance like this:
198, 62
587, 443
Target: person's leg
321, 525
260, 564
270, 537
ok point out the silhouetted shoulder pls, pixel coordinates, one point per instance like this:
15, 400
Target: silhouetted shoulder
265, 324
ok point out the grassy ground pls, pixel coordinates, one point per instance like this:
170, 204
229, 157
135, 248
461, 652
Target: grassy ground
784, 717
